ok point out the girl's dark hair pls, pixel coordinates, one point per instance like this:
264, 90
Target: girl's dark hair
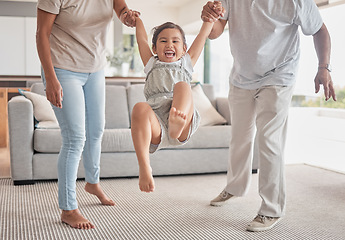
157, 30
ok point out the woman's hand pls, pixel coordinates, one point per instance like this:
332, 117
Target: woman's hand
54, 92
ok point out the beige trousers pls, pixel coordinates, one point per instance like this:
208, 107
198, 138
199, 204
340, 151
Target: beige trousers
263, 112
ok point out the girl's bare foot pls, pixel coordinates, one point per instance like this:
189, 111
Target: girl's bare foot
146, 182
96, 190
177, 121
75, 219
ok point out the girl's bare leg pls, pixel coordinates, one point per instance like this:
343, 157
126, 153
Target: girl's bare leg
181, 112
145, 130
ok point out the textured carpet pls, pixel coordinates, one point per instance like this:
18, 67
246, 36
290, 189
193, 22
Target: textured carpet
178, 209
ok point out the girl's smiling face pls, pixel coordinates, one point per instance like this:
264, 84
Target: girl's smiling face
169, 46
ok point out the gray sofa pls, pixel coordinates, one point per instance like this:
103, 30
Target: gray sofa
34, 151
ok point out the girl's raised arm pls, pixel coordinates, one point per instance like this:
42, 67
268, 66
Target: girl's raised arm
142, 40
198, 44
206, 29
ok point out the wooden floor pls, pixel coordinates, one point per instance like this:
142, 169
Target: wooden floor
5, 170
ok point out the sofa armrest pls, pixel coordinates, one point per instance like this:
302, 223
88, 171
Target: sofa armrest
223, 108
21, 132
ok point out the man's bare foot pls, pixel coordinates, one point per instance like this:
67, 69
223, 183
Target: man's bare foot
75, 219
177, 121
96, 190
146, 182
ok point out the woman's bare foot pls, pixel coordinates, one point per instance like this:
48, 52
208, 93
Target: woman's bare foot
96, 190
177, 121
75, 219
146, 182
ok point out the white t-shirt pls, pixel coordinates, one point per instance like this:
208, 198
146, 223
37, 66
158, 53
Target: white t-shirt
264, 39
78, 36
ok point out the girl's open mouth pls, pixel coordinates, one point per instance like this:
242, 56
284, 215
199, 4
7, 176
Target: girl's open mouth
169, 54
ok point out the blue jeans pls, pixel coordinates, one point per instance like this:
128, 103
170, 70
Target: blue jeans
81, 120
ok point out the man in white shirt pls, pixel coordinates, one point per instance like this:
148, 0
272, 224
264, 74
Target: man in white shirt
264, 42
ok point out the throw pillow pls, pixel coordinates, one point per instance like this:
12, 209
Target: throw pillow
209, 115
43, 111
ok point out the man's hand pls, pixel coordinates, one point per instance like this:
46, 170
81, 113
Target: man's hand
323, 77
212, 11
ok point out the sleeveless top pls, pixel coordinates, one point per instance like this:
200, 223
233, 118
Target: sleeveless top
158, 90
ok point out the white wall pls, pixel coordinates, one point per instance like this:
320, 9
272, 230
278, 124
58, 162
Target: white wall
18, 55
153, 17
12, 45
189, 16
32, 63
18, 52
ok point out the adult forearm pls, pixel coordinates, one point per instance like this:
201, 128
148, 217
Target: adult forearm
322, 43
217, 29
44, 27
43, 49
120, 7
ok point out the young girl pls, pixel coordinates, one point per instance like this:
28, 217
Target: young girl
168, 117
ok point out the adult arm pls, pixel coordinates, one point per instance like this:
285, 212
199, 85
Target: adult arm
126, 15
218, 29
211, 13
142, 40
45, 22
322, 43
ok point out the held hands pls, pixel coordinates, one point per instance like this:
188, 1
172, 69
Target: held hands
128, 17
212, 11
323, 77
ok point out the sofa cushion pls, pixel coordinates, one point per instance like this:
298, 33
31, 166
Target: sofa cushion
117, 140
135, 94
203, 95
210, 137
114, 140
47, 140
43, 111
38, 88
116, 107
209, 115
120, 140
115, 103
209, 92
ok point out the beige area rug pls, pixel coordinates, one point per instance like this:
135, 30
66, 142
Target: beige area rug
178, 209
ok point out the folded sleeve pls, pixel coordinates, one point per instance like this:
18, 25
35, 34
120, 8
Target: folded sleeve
51, 6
